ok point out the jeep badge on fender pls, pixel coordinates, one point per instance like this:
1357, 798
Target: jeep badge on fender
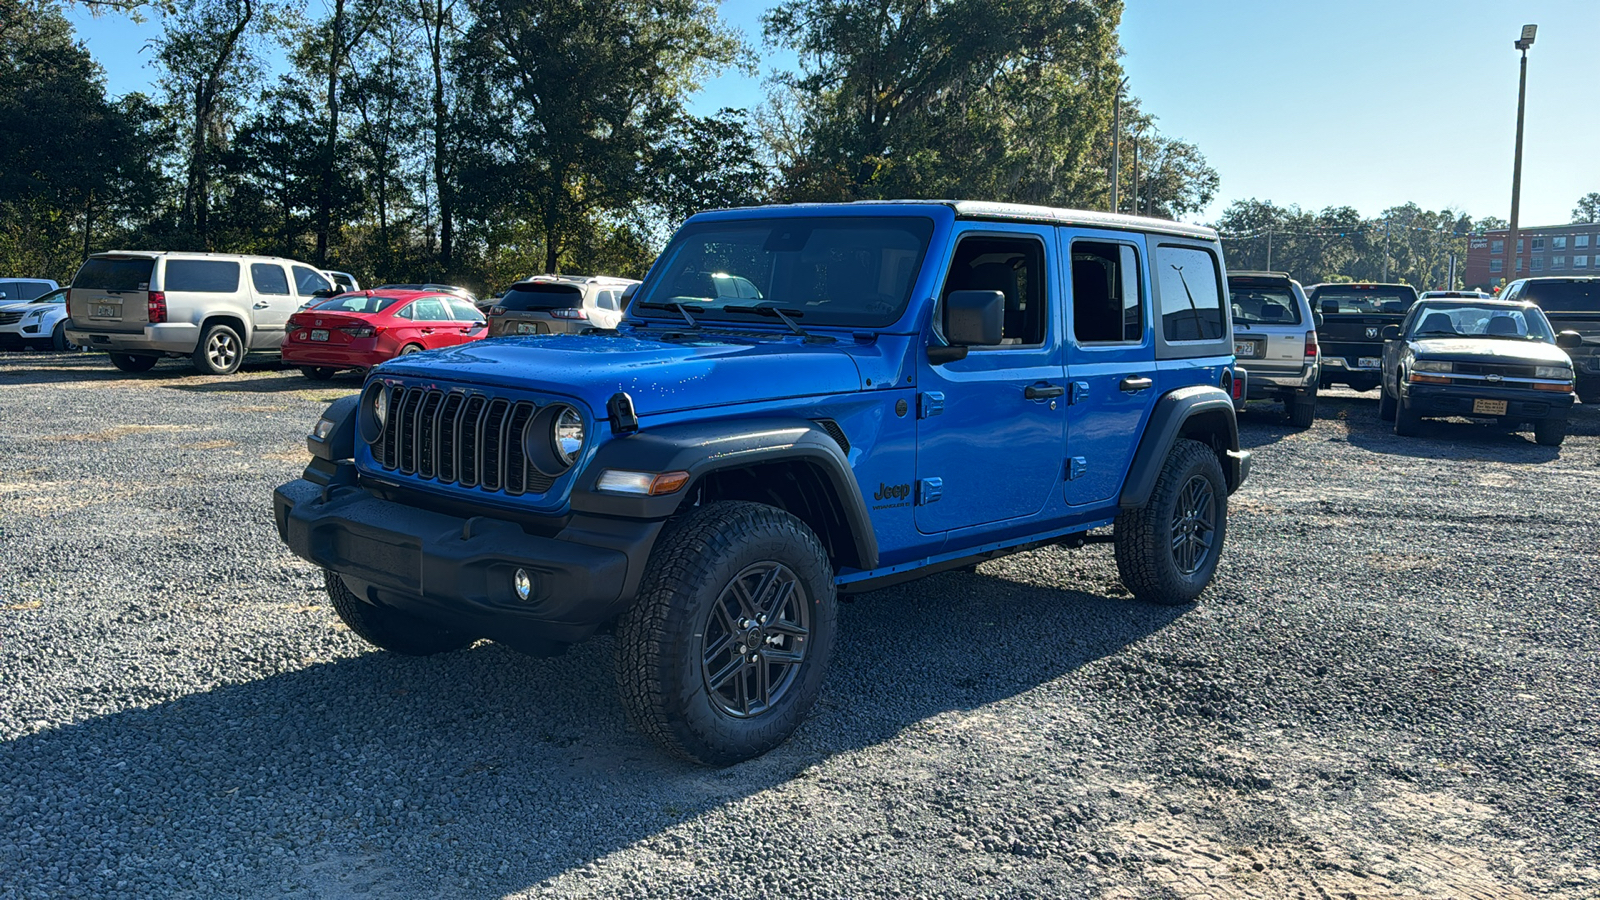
708, 477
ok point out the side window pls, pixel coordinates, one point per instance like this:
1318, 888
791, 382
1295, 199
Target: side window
606, 300
1191, 294
1014, 266
429, 309
464, 311
406, 312
268, 278
1106, 303
309, 281
210, 275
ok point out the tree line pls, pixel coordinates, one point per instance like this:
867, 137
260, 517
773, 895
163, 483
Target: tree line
476, 141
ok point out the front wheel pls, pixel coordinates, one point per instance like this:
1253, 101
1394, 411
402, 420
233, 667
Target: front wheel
1407, 421
1167, 550
1386, 404
1550, 432
131, 362
318, 373
388, 628
724, 652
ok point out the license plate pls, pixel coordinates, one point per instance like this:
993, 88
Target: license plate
1370, 362
1247, 349
319, 334
105, 312
1489, 407
529, 328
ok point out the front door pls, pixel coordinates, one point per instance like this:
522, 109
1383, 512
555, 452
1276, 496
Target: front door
1110, 360
991, 427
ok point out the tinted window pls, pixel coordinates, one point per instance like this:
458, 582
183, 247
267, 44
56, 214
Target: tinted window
1015, 268
103, 274
1106, 306
1191, 294
464, 311
1264, 306
309, 281
1563, 296
430, 309
606, 300
526, 296
211, 275
849, 271
1363, 298
26, 290
268, 278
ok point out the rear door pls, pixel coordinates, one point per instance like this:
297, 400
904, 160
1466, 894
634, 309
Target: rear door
469, 322
272, 303
110, 293
432, 324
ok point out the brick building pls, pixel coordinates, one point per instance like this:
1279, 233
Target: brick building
1544, 250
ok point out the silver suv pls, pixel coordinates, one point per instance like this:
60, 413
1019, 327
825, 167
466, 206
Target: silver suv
559, 304
1275, 340
210, 307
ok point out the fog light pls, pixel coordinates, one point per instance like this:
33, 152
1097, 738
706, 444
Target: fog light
523, 583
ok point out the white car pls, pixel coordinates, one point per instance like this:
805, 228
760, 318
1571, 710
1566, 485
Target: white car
40, 323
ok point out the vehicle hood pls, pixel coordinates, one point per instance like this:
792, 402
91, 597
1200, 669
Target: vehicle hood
22, 306
1490, 349
660, 374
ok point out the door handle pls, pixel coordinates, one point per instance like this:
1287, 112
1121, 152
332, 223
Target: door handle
262, 305
1133, 384
1043, 391
427, 331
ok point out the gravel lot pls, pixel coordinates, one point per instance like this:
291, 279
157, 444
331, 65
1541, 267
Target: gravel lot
1391, 691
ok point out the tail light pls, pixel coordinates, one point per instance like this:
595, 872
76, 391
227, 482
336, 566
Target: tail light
1237, 389
497, 310
569, 314
156, 307
1311, 344
360, 331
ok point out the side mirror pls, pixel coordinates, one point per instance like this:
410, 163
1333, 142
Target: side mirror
1569, 340
1330, 306
627, 295
1316, 320
1391, 332
971, 319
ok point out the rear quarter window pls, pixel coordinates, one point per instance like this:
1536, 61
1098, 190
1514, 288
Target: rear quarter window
103, 274
201, 275
1191, 294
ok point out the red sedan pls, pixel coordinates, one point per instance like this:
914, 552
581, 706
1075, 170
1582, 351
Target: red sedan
360, 329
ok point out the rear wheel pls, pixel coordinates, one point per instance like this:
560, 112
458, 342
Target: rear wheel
131, 362
388, 628
318, 373
219, 352
725, 650
1550, 432
1167, 550
409, 349
1302, 409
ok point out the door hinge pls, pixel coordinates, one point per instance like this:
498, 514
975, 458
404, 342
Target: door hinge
929, 490
1077, 467
930, 404
1077, 392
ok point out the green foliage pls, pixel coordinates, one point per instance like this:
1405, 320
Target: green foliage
1587, 210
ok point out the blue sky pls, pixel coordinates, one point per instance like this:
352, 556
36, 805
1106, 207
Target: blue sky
1363, 103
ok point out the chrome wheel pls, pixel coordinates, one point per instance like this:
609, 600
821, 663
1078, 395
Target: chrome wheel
1194, 525
755, 640
222, 349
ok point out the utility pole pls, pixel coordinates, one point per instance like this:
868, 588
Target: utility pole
1135, 140
1116, 140
1385, 278
1269, 248
1522, 43
1451, 284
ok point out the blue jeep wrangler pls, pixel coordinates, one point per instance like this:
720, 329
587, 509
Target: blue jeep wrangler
801, 402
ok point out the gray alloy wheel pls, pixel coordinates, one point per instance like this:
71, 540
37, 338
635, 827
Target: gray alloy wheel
755, 640
219, 352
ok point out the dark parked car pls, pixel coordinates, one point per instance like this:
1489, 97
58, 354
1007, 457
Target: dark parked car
1571, 304
1481, 359
1353, 318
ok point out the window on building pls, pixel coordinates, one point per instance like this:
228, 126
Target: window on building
1497, 246
1518, 266
1558, 243
1538, 244
1580, 262
1538, 264
1519, 245
1497, 265
1558, 262
1580, 240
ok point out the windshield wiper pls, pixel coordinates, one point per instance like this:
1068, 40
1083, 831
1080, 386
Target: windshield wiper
675, 305
773, 312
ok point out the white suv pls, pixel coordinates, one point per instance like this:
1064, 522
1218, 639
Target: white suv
211, 307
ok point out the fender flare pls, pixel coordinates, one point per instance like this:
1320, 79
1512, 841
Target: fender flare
1163, 430
701, 448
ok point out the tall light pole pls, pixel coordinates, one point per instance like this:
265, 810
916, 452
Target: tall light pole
1522, 43
1116, 139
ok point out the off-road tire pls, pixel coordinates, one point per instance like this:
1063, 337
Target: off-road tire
1386, 404
219, 352
660, 645
390, 629
133, 362
1302, 410
318, 373
1407, 422
1144, 537
1550, 432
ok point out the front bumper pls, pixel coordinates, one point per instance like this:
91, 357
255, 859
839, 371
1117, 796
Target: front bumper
168, 337
1456, 400
459, 571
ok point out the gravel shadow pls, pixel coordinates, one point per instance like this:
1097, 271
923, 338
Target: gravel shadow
397, 775
60, 368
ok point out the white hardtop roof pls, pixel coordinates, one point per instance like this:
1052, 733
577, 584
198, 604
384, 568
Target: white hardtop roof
1021, 212
578, 279
203, 254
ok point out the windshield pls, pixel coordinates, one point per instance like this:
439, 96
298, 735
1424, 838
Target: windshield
1363, 298
522, 297
109, 274
1434, 320
357, 303
1563, 296
850, 272
1264, 306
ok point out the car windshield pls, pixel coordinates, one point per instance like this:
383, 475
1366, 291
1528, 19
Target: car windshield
1435, 320
56, 296
1264, 306
1563, 296
846, 271
356, 303
1365, 298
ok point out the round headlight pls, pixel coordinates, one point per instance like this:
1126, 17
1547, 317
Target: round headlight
373, 412
380, 407
566, 436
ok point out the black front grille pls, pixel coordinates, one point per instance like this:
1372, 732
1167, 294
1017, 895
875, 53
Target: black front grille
10, 318
1462, 368
457, 438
